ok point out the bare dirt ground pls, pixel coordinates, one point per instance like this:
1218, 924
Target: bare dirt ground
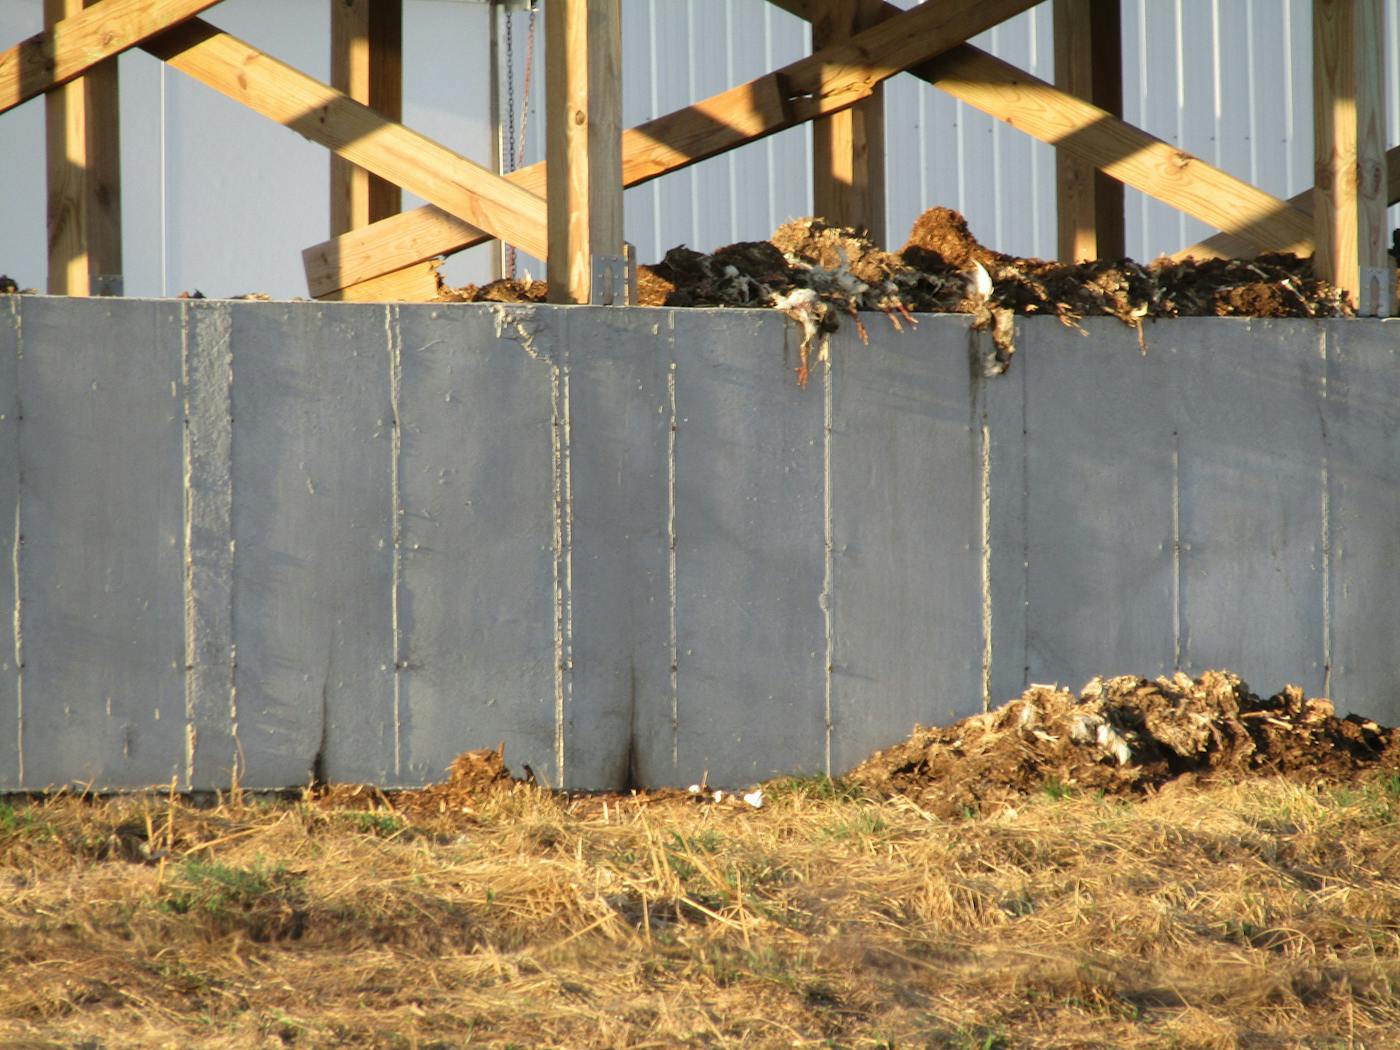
1168, 864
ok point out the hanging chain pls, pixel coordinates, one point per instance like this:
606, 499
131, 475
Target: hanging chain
509, 153
529, 71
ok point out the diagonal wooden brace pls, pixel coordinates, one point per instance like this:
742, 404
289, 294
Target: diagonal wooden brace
328, 117
71, 47
827, 81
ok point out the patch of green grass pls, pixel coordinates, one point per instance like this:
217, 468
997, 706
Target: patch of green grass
1055, 790
980, 1038
22, 823
862, 824
265, 902
379, 824
817, 787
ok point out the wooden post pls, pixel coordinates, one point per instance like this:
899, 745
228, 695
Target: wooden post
583, 133
848, 148
1349, 150
1089, 65
366, 64
84, 176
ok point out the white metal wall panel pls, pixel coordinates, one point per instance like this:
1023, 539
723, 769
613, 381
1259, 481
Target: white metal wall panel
218, 198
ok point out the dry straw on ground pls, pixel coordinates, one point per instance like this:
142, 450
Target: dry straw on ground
1239, 910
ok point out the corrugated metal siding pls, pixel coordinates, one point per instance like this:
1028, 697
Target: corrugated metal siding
218, 198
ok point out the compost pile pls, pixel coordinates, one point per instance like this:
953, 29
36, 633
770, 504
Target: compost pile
1129, 736
820, 274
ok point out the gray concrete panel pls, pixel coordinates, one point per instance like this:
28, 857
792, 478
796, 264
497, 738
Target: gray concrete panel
1362, 415
11, 766
906, 530
750, 550
102, 517
359, 539
313, 439
476, 584
1248, 404
1005, 492
1098, 512
618, 721
210, 697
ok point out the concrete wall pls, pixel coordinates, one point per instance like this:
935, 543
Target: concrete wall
361, 538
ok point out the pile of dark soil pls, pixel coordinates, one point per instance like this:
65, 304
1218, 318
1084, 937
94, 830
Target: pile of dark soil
1129, 736
818, 273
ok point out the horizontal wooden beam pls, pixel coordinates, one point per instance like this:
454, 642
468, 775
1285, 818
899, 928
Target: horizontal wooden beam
827, 81
418, 283
1227, 246
332, 119
77, 43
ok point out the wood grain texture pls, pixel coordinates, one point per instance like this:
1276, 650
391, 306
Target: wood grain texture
1349, 151
77, 43
366, 64
1129, 154
1089, 65
848, 148
418, 283
824, 82
83, 171
583, 116
1226, 246
356, 132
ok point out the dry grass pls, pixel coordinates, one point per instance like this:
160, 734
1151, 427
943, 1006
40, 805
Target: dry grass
1262, 915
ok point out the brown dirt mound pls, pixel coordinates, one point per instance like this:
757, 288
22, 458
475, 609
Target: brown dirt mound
1128, 736
935, 272
471, 775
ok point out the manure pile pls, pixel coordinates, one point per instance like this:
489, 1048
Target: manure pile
819, 274
1129, 736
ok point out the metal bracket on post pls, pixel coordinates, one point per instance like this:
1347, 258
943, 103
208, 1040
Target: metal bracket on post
615, 278
1376, 296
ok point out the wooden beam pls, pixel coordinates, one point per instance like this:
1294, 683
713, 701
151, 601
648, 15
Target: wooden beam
1096, 136
418, 283
1225, 246
825, 82
356, 132
1089, 65
848, 148
1129, 154
84, 176
71, 47
1349, 150
366, 64
583, 133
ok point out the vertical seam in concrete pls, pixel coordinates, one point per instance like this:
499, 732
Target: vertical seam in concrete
395, 349
1025, 525
206, 372
828, 599
1326, 523
191, 627
237, 760
18, 316
985, 502
671, 547
1176, 551
564, 559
